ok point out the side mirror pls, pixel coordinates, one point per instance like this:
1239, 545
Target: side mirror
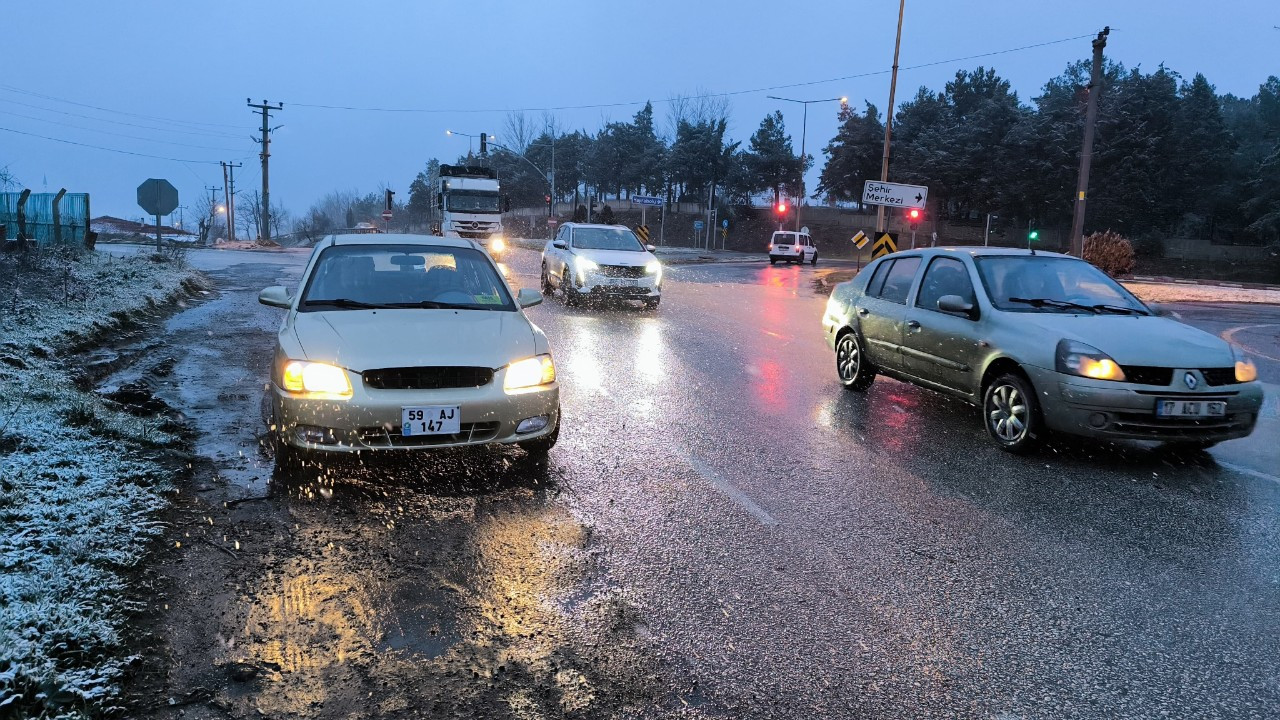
558, 244
275, 296
651, 248
956, 305
528, 297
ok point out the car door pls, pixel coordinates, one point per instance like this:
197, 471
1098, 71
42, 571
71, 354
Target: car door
562, 256
942, 347
882, 310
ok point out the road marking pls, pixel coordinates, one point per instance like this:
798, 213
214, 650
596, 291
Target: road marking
1229, 336
1249, 471
726, 487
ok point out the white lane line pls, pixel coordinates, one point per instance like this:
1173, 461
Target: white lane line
1249, 471
726, 487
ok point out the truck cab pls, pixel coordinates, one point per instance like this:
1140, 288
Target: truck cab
470, 204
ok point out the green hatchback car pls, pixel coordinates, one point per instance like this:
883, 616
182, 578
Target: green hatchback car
1041, 342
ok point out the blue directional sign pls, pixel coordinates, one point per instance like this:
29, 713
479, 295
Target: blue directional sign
698, 224
724, 224
646, 200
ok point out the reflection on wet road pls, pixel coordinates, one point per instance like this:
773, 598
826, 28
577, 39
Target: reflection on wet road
722, 531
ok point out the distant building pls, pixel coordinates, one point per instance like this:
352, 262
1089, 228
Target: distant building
107, 225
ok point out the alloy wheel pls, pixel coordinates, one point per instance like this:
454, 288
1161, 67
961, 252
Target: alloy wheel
1007, 413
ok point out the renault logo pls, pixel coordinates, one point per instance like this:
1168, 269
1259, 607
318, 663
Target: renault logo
1191, 381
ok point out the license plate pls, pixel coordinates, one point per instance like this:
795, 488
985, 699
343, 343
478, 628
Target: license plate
1190, 408
431, 420
620, 282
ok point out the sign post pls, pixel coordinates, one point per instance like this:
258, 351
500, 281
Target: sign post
158, 197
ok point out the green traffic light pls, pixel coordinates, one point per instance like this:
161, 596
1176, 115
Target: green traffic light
1033, 235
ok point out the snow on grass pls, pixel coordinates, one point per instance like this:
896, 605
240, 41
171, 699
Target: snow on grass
1186, 292
80, 485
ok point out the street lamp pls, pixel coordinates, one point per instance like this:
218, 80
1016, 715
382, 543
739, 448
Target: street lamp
469, 137
804, 127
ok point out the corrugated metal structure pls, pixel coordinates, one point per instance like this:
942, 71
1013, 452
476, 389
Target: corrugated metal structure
60, 218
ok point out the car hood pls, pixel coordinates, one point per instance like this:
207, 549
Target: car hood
625, 258
1140, 339
361, 340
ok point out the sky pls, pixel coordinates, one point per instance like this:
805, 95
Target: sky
170, 79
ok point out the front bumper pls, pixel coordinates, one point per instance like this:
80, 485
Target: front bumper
1127, 411
370, 419
647, 286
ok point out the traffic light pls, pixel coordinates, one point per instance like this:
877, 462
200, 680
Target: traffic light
781, 208
548, 199
484, 144
914, 215
388, 204
1033, 235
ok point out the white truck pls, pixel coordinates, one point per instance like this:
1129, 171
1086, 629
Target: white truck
471, 206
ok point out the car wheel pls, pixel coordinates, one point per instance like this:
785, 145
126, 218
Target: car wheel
773, 260
652, 303
546, 281
1011, 414
852, 366
814, 261
538, 449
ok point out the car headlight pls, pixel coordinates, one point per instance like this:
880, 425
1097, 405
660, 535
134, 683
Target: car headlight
1077, 358
529, 374
654, 268
312, 378
497, 244
1246, 371
584, 266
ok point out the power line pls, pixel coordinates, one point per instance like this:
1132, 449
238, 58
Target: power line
206, 133
156, 118
730, 93
116, 134
114, 150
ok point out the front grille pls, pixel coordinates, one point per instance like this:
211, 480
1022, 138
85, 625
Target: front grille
427, 378
1144, 375
382, 437
1219, 376
1147, 425
622, 271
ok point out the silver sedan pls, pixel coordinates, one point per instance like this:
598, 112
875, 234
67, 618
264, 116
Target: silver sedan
1041, 342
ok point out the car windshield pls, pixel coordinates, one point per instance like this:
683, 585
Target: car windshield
472, 201
606, 239
1038, 283
359, 277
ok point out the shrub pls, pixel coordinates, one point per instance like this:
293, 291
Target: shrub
1111, 252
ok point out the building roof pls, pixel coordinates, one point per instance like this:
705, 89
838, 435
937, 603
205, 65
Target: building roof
109, 224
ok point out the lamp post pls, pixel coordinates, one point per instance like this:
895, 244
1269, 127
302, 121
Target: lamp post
469, 137
804, 131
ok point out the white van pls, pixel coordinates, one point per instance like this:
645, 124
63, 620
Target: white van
793, 247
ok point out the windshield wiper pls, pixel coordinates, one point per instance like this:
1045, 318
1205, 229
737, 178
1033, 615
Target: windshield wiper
343, 303
1050, 302
433, 305
1122, 309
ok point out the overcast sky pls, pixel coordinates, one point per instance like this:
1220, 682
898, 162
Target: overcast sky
161, 61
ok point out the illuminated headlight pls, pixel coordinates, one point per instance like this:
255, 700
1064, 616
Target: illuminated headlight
497, 244
1077, 358
314, 378
584, 266
529, 374
1246, 371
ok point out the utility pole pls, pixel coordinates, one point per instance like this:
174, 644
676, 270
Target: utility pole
1086, 153
229, 194
265, 108
888, 118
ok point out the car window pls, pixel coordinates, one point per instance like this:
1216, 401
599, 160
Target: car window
877, 278
354, 277
945, 276
897, 282
1045, 283
598, 238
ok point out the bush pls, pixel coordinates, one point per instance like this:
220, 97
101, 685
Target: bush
607, 217
1111, 252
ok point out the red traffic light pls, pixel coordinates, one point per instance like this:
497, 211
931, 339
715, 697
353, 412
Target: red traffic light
914, 214
781, 208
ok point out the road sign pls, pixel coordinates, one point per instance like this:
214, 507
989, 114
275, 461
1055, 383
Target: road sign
642, 232
698, 224
725, 223
885, 244
386, 215
860, 240
646, 200
157, 197
552, 221
875, 192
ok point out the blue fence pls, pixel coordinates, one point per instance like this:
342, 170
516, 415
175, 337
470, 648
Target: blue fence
60, 218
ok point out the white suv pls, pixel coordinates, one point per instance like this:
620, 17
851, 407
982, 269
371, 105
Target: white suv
601, 261
793, 247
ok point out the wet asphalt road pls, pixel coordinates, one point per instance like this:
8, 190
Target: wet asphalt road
777, 546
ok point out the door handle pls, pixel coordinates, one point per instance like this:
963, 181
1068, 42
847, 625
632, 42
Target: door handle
913, 324
864, 312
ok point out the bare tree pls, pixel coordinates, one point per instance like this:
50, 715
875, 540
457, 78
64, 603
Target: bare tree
8, 180
519, 131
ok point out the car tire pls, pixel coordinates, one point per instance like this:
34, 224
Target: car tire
652, 303
538, 449
1011, 414
852, 366
814, 261
773, 260
546, 281
288, 457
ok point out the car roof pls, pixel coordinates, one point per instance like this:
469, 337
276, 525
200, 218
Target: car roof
981, 251
595, 225
398, 239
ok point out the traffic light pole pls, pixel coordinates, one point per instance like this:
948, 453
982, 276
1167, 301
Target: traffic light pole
1086, 153
888, 118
